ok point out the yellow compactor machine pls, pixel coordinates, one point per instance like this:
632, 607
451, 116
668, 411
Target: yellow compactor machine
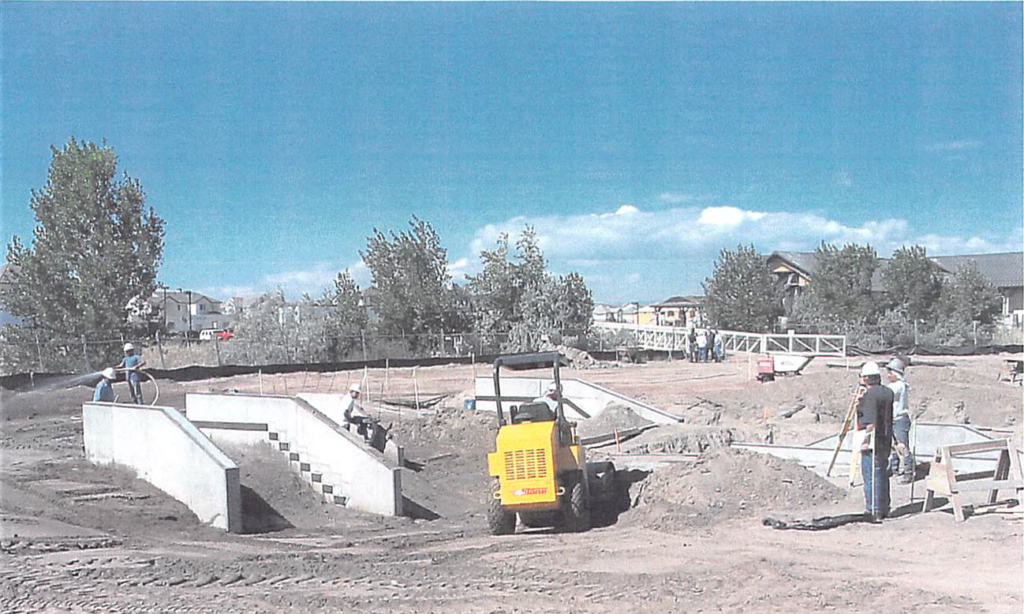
539, 468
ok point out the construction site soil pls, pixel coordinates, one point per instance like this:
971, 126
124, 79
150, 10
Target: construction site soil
687, 536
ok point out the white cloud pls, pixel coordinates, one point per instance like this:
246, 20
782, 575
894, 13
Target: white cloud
626, 210
727, 216
459, 269
677, 247
223, 293
956, 145
678, 198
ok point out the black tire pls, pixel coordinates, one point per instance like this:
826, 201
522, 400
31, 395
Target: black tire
576, 510
500, 521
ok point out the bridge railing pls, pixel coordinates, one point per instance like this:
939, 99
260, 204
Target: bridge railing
673, 338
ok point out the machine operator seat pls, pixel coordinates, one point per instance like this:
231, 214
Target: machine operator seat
533, 412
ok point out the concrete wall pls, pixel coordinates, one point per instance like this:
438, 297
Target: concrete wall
166, 450
361, 474
591, 398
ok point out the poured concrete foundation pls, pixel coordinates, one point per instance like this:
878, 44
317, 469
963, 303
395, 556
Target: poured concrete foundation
166, 450
336, 462
589, 398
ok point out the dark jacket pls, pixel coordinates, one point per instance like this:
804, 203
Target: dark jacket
875, 407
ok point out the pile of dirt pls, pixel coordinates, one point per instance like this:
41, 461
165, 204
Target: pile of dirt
681, 438
578, 359
274, 497
615, 417
727, 484
446, 454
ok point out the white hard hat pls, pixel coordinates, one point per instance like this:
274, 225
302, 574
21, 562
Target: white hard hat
128, 347
896, 365
109, 373
552, 387
870, 368
354, 388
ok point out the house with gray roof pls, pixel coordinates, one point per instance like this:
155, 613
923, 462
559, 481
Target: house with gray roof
1005, 271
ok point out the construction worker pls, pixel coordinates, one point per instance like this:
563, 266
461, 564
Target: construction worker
550, 398
131, 365
351, 409
874, 416
104, 392
902, 459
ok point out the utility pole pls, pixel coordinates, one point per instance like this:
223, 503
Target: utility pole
189, 293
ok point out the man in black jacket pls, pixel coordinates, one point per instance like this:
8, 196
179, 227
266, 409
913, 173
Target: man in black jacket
874, 415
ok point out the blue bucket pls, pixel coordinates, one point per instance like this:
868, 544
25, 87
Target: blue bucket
469, 404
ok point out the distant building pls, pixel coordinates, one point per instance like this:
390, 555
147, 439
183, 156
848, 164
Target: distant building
796, 270
677, 311
7, 273
673, 311
184, 311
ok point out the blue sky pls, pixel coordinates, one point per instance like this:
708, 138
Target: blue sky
639, 139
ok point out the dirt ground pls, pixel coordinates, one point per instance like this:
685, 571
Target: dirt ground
689, 536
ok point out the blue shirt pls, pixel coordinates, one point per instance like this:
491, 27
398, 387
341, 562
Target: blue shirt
129, 362
104, 392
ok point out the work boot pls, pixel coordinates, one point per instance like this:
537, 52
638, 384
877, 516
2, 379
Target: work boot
906, 478
872, 518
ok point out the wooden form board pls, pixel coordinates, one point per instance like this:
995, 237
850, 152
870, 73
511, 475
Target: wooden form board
942, 478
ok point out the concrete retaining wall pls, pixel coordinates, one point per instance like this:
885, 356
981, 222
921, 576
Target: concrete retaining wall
590, 397
367, 480
166, 450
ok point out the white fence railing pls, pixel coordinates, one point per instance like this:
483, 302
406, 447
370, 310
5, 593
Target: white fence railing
673, 339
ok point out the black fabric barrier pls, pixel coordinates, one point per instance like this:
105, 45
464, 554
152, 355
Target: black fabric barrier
935, 350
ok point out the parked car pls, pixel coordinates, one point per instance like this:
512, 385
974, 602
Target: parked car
210, 334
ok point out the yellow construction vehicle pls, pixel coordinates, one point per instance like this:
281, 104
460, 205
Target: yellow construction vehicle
539, 468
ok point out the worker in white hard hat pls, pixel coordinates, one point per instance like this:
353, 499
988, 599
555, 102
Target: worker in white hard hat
902, 459
130, 365
104, 392
550, 398
874, 415
351, 409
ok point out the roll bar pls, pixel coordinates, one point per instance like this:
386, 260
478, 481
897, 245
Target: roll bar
543, 359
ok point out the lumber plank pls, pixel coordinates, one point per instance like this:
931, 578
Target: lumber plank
979, 446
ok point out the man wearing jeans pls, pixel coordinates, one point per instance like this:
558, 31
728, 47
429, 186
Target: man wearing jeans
900, 422
874, 416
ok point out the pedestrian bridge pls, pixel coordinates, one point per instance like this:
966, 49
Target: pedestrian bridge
673, 339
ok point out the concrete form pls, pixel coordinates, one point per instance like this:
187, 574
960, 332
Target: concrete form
166, 450
336, 462
925, 439
590, 398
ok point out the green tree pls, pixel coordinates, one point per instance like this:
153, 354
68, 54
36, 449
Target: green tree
519, 297
95, 248
840, 293
413, 289
913, 283
967, 297
742, 294
344, 317
498, 290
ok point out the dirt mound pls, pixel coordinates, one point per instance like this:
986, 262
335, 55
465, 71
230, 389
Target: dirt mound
578, 359
680, 438
447, 462
727, 484
614, 417
274, 497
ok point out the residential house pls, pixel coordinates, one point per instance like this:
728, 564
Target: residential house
677, 311
1005, 271
7, 274
184, 311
